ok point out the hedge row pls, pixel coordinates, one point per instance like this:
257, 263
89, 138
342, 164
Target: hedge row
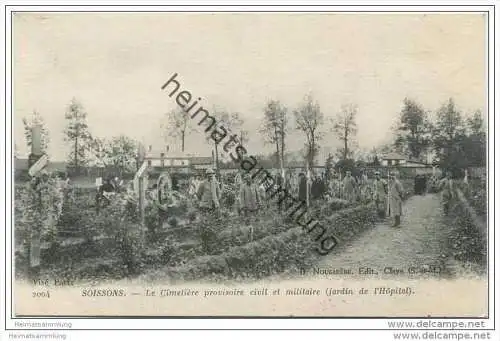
240, 235
467, 239
287, 251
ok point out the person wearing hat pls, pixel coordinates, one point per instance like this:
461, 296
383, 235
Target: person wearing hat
209, 204
302, 187
238, 183
364, 187
104, 194
395, 198
379, 194
349, 187
249, 196
447, 191
208, 192
279, 181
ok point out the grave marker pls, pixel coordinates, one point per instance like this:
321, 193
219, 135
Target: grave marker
37, 161
140, 184
38, 165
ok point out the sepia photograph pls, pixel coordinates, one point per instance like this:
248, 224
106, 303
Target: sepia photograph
250, 164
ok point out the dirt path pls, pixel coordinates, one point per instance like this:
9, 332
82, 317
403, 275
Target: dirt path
417, 243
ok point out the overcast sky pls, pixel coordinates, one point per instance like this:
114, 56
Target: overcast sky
115, 65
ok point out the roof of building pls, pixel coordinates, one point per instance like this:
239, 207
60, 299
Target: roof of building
416, 161
201, 160
393, 156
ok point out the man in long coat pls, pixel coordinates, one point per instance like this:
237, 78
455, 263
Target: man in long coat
209, 205
302, 187
379, 194
447, 192
238, 183
364, 188
349, 187
395, 199
249, 197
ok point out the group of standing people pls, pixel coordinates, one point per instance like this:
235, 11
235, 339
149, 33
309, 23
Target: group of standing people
250, 196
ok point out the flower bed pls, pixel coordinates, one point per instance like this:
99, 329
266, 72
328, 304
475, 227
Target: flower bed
286, 251
476, 194
467, 239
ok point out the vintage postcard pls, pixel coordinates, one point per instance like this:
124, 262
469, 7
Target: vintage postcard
250, 164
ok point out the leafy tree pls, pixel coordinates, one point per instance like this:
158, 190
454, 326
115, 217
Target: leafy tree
413, 129
329, 166
474, 145
274, 127
345, 127
97, 155
33, 120
120, 152
117, 154
345, 165
476, 124
449, 134
77, 133
309, 119
177, 125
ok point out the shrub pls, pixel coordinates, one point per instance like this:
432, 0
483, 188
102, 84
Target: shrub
466, 241
333, 205
236, 235
39, 207
173, 222
116, 223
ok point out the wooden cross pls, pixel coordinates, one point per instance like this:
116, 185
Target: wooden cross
36, 161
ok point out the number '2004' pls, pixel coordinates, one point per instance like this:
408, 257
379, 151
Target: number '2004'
41, 294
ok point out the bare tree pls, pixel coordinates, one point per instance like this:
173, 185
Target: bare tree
176, 125
230, 121
309, 119
345, 127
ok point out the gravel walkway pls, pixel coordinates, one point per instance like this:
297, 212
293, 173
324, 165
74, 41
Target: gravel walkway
414, 246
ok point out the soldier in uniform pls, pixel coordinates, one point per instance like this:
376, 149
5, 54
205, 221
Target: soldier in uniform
364, 188
249, 197
379, 194
238, 183
209, 205
395, 198
349, 187
279, 182
302, 187
446, 187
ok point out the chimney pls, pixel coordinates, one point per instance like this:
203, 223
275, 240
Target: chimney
150, 148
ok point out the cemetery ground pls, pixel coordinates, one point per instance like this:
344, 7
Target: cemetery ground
111, 245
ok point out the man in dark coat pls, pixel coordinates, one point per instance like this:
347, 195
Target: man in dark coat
102, 195
302, 187
280, 183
